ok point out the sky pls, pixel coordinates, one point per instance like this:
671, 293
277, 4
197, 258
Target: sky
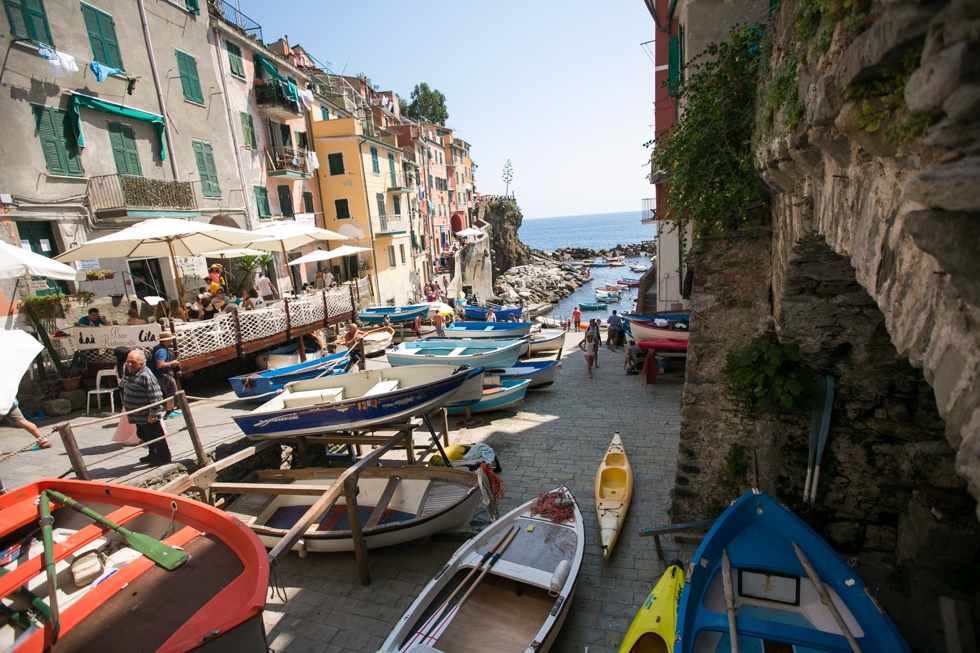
561, 88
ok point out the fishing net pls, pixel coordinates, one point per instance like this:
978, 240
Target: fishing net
552, 506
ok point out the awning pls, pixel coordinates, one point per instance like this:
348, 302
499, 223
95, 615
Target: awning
291, 91
77, 102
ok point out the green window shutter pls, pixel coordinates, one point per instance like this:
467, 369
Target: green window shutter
285, 200
57, 138
248, 130
302, 142
262, 201
102, 37
193, 7
673, 65
380, 197
336, 163
343, 209
308, 202
28, 22
391, 168
324, 112
235, 61
204, 158
190, 82
375, 168
124, 151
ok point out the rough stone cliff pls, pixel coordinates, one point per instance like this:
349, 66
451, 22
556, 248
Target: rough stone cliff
506, 249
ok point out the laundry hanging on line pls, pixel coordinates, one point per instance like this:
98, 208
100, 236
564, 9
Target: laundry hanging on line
61, 63
102, 71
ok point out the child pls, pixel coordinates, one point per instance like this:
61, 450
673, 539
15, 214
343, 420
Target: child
589, 346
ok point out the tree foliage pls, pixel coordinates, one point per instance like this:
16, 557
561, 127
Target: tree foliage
428, 105
707, 153
508, 175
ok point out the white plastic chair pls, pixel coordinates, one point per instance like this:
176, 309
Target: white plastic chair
102, 390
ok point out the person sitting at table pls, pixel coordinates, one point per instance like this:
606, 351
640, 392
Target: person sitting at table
134, 318
208, 311
93, 319
177, 311
253, 300
219, 300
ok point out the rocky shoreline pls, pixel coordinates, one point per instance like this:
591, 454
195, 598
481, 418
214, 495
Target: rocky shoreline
550, 277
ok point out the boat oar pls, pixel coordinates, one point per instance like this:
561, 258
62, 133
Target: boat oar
726, 580
825, 598
49, 567
824, 431
496, 556
160, 553
486, 556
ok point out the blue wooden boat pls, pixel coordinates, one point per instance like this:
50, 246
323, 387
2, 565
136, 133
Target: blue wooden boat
356, 400
541, 374
591, 306
600, 263
376, 314
509, 394
777, 600
260, 384
489, 329
670, 316
475, 353
503, 314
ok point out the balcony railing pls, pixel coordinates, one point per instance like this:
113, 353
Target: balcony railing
388, 224
228, 13
648, 210
123, 192
273, 101
289, 161
400, 181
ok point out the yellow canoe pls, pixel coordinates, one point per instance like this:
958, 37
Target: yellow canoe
652, 631
613, 491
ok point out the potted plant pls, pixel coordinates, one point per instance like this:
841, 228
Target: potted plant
71, 375
45, 306
99, 275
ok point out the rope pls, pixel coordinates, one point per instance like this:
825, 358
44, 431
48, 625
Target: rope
546, 506
116, 416
492, 488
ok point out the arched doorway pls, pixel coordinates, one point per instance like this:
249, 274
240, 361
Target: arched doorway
458, 222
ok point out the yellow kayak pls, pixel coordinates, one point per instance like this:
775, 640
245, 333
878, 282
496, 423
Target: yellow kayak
652, 631
613, 491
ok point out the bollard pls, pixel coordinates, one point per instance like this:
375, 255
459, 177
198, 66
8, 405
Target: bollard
71, 448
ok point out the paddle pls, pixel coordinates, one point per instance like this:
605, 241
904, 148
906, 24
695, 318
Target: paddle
435, 632
49, 567
825, 598
726, 579
438, 611
160, 553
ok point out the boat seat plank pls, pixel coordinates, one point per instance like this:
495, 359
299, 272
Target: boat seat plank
383, 501
300, 489
248, 507
382, 387
312, 397
458, 351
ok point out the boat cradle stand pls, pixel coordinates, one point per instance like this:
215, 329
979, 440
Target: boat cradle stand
673, 528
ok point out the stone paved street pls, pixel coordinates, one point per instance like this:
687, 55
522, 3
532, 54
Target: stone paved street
557, 437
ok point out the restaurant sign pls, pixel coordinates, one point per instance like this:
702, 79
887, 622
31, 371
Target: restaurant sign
110, 337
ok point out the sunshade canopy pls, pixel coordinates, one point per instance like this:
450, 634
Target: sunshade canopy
469, 231
19, 349
160, 237
234, 253
19, 262
326, 255
289, 234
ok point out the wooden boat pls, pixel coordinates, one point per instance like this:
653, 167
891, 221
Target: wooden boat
261, 384
509, 394
600, 263
545, 341
479, 313
639, 268
664, 345
613, 492
615, 259
355, 400
518, 604
784, 578
541, 374
553, 322
202, 587
471, 391
476, 353
629, 283
489, 329
591, 306
377, 340
376, 314
652, 630
603, 299
404, 333
616, 264
647, 331
394, 505
287, 355
614, 287
671, 316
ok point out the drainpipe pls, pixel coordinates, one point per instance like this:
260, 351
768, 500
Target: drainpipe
231, 127
159, 88
367, 205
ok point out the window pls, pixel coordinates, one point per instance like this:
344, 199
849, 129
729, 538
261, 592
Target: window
235, 61
308, 201
102, 36
375, 168
206, 169
58, 141
675, 62
324, 112
262, 201
391, 169
124, 152
189, 80
248, 131
342, 207
285, 200
398, 204
401, 250
302, 142
193, 7
380, 197
28, 22
391, 256
336, 163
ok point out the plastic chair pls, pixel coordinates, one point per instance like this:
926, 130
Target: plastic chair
102, 390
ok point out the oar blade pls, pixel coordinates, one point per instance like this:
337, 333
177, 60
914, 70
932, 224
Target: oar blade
166, 556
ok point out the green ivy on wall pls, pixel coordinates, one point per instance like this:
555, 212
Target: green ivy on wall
768, 375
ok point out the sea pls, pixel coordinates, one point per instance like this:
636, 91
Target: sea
596, 232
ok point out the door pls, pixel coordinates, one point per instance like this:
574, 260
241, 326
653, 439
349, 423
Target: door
39, 238
123, 143
285, 200
147, 277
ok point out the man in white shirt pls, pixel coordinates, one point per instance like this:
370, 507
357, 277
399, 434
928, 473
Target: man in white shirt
328, 278
264, 286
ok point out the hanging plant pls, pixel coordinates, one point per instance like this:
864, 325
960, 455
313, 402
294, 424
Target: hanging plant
768, 375
99, 275
47, 306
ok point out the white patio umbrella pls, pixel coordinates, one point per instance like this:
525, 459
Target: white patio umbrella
160, 238
326, 255
19, 262
287, 235
440, 307
469, 231
19, 349
234, 253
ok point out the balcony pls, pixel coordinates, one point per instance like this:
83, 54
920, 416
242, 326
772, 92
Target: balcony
648, 210
273, 101
289, 162
124, 196
231, 16
400, 183
390, 225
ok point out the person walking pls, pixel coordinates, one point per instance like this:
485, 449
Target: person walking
264, 286
417, 327
491, 316
577, 318
593, 328
614, 330
351, 338
14, 417
164, 367
590, 348
140, 389
439, 321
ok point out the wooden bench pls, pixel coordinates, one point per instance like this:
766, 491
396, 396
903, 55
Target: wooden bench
312, 397
382, 387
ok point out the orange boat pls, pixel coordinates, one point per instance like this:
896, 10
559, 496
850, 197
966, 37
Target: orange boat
97, 567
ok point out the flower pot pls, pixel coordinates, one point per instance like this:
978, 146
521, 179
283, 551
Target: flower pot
70, 383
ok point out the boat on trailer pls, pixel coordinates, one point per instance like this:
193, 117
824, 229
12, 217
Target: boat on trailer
522, 570
476, 353
488, 329
541, 373
641, 330
507, 394
376, 314
112, 586
260, 385
766, 580
546, 340
479, 313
